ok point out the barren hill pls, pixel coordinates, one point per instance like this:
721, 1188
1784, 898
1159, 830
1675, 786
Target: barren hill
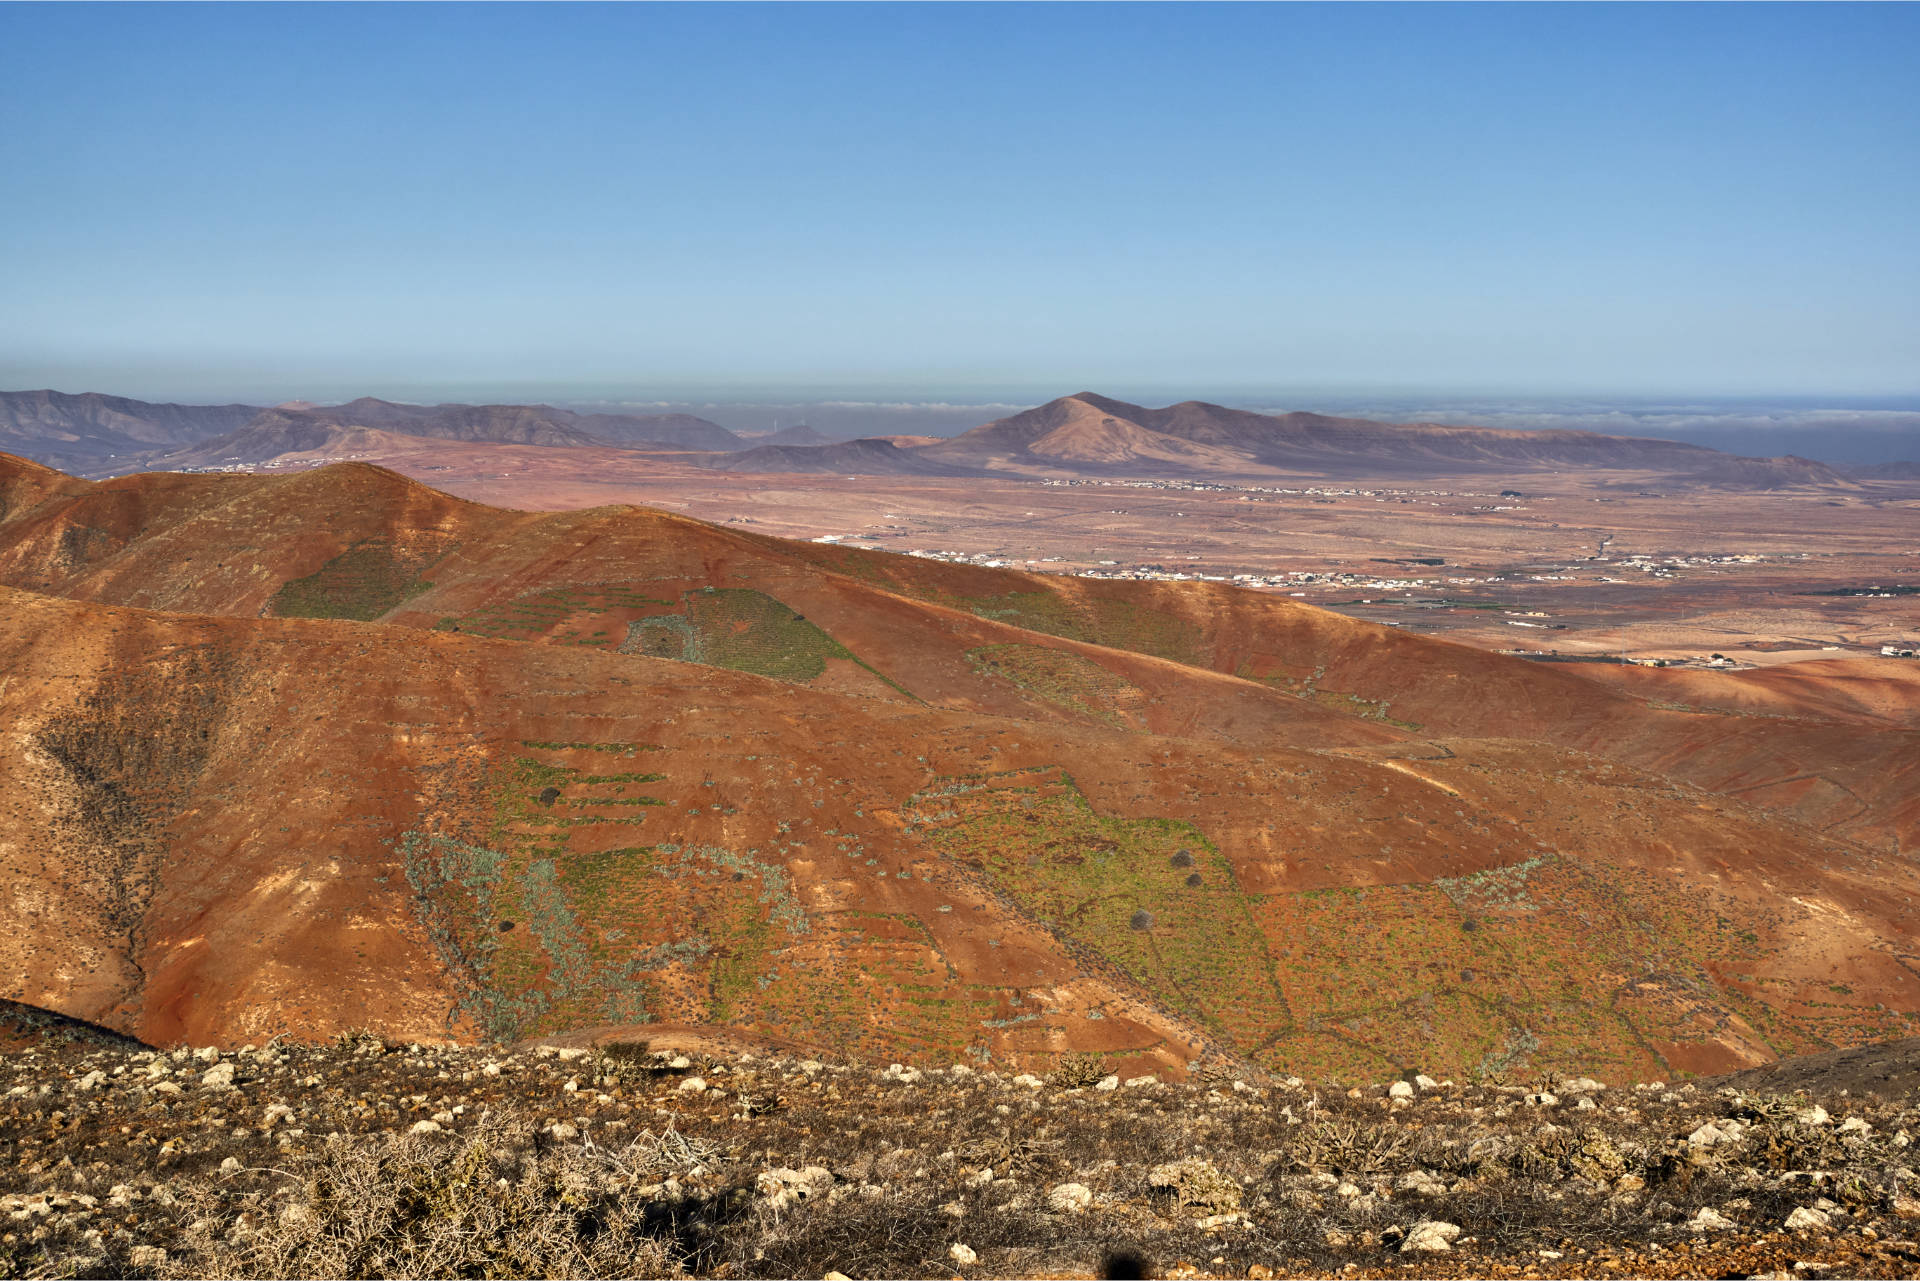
449, 770
1092, 432
82, 431
275, 433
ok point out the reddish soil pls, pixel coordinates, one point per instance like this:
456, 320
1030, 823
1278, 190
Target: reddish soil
539, 774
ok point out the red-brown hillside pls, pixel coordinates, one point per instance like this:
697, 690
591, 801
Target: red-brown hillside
393, 758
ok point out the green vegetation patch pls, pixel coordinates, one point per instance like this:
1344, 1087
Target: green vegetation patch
1118, 887
564, 915
1063, 679
1544, 965
1116, 624
561, 616
362, 583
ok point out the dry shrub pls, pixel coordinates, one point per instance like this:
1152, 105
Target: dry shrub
1349, 1147
1078, 1070
497, 1202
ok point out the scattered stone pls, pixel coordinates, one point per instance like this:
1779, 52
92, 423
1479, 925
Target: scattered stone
1069, 1198
785, 1186
1709, 1220
1400, 1090
1714, 1133
1107, 1083
1805, 1219
217, 1077
1420, 1183
963, 1255
425, 1127
692, 1085
1029, 1080
1430, 1236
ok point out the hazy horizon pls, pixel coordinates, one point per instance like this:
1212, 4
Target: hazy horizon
938, 202
1835, 429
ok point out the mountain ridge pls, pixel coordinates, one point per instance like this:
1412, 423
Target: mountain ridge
601, 767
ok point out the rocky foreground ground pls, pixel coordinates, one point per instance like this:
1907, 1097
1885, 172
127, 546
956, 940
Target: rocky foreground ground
368, 1158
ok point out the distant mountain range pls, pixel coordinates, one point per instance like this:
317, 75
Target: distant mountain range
1084, 434
87, 431
1090, 432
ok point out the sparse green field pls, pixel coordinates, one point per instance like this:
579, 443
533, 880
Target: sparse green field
361, 583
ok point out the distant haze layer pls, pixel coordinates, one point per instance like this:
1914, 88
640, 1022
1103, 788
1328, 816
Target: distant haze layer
1836, 429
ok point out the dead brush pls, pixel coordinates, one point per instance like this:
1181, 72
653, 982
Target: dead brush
491, 1205
666, 1153
1346, 1146
1781, 1146
1078, 1070
1586, 1154
624, 1062
1009, 1156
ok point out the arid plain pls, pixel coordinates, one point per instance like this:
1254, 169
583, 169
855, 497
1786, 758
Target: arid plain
1603, 563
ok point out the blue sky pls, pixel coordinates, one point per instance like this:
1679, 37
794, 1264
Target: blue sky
941, 200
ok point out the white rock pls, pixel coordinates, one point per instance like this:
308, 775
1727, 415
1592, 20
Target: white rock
1108, 1083
785, 1186
230, 1166
1582, 1085
147, 1258
275, 1113
561, 1130
1854, 1125
680, 1063
218, 1077
1346, 1189
91, 1081
1420, 1183
1426, 1082
569, 1055
1806, 1220
1815, 1115
1429, 1235
425, 1127
1135, 1082
1029, 1080
963, 1255
693, 1085
1543, 1099
1709, 1220
1400, 1090
1069, 1198
1714, 1132
979, 1178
